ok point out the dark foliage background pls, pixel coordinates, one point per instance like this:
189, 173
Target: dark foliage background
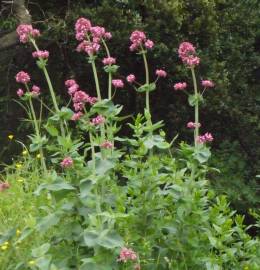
227, 35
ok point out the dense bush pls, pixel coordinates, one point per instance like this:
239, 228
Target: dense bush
105, 201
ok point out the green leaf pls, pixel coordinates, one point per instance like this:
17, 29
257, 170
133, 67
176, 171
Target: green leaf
47, 222
43, 263
192, 100
53, 131
54, 187
202, 154
107, 239
111, 69
104, 165
65, 113
40, 251
146, 88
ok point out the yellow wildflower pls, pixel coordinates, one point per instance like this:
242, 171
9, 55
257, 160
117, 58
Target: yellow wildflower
6, 243
18, 232
10, 137
20, 180
32, 262
38, 156
4, 247
246, 268
18, 165
25, 152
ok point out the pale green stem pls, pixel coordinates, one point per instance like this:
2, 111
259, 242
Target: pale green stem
196, 132
147, 101
92, 151
37, 134
109, 74
53, 96
93, 64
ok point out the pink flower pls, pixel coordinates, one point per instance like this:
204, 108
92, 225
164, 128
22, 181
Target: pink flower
138, 38
207, 83
73, 89
130, 78
109, 61
149, 44
98, 120
180, 86
127, 254
4, 186
88, 47
35, 91
92, 100
192, 125
108, 35
26, 31
22, 77
41, 54
207, 137
66, 162
80, 96
97, 32
187, 53
20, 92
118, 83
69, 83
76, 116
78, 106
106, 145
160, 73
82, 27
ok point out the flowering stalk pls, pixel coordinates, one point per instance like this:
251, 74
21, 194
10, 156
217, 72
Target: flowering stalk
109, 74
37, 133
147, 101
196, 130
54, 100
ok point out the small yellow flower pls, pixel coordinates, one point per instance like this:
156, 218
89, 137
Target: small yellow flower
4, 247
18, 165
10, 137
38, 156
6, 243
18, 232
20, 180
25, 152
32, 262
246, 268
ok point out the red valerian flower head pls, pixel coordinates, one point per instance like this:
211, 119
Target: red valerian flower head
82, 27
26, 31
130, 78
207, 83
180, 86
41, 54
22, 77
118, 83
187, 53
160, 73
127, 254
67, 162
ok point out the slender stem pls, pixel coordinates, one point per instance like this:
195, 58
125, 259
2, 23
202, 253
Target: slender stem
196, 133
93, 64
109, 74
37, 134
50, 86
92, 151
147, 101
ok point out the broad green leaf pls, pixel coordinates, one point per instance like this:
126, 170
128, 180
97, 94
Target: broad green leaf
47, 222
40, 251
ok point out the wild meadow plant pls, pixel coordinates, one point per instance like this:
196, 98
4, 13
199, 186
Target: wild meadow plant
136, 202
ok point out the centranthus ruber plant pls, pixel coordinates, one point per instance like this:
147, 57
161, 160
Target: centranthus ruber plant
117, 203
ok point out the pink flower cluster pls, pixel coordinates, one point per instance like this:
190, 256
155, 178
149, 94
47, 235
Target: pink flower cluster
207, 83
67, 162
90, 36
207, 137
106, 145
98, 120
22, 77
118, 83
130, 78
76, 116
26, 31
35, 91
193, 125
41, 54
180, 86
138, 39
79, 97
161, 73
109, 61
127, 254
4, 186
20, 92
187, 53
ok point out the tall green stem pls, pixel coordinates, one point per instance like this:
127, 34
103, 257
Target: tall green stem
93, 64
196, 133
37, 130
147, 97
109, 74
